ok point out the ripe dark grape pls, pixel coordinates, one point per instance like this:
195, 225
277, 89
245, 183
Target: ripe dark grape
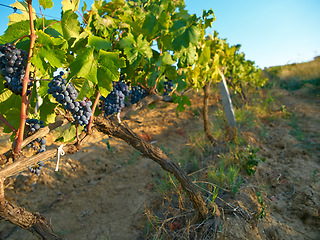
168, 87
115, 100
137, 93
123, 87
113, 103
40, 143
36, 169
13, 63
67, 96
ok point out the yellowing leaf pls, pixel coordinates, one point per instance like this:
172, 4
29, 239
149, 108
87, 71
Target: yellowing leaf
17, 17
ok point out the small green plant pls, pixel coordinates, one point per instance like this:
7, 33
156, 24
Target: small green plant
249, 159
234, 179
263, 207
214, 196
216, 175
284, 111
296, 130
106, 141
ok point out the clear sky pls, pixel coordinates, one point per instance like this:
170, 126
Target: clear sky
271, 32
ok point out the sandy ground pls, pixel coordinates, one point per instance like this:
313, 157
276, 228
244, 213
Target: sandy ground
102, 191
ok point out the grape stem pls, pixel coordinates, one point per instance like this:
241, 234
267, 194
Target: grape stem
21, 39
24, 100
7, 123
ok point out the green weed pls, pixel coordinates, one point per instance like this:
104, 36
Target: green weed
296, 130
234, 179
249, 160
263, 207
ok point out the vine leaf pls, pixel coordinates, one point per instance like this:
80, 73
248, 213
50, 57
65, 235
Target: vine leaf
205, 56
181, 101
108, 70
136, 50
46, 3
186, 36
10, 101
84, 66
87, 89
180, 80
99, 43
15, 31
68, 135
49, 50
166, 59
70, 5
70, 24
11, 117
186, 56
150, 26
46, 110
5, 95
17, 17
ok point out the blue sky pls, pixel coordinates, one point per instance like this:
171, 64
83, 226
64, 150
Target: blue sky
271, 32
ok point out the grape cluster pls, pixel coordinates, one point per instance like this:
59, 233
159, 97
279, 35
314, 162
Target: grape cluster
67, 95
137, 93
40, 143
168, 87
113, 103
123, 87
34, 125
37, 168
13, 64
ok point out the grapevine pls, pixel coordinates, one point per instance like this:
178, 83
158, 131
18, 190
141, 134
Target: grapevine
137, 93
13, 63
67, 95
168, 87
36, 169
115, 100
38, 144
96, 52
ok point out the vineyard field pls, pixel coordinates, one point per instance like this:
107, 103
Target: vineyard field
109, 191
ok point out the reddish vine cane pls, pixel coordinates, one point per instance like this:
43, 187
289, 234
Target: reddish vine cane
24, 100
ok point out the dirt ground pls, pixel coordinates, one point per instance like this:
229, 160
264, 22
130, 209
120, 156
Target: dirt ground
102, 191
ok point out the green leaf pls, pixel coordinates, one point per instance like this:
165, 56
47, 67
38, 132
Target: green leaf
17, 17
70, 24
69, 134
165, 59
70, 5
180, 80
80, 42
48, 50
5, 95
12, 116
13, 101
108, 70
99, 43
84, 66
181, 101
46, 110
136, 50
205, 55
87, 90
15, 31
150, 25
186, 56
46, 3
186, 36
